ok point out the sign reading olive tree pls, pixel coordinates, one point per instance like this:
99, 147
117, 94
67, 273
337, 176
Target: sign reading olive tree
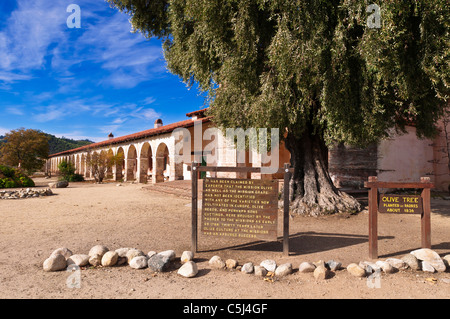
400, 204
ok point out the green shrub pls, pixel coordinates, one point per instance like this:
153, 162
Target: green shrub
67, 172
26, 181
14, 178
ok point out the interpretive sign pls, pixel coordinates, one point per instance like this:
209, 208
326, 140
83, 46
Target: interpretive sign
240, 208
400, 204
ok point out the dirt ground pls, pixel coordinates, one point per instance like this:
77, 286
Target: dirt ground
140, 216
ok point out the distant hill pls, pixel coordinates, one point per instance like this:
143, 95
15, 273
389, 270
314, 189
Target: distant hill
57, 144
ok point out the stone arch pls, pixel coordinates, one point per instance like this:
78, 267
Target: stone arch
120, 166
77, 164
83, 165
131, 164
162, 165
109, 169
145, 163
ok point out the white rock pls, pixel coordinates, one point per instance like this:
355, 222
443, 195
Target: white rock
283, 270
446, 260
397, 263
98, 250
231, 263
151, 253
62, 251
139, 262
78, 259
334, 265
187, 256
260, 271
216, 262
55, 263
122, 252
95, 260
430, 256
168, 253
411, 261
133, 252
427, 267
247, 268
269, 264
369, 266
110, 258
356, 270
321, 273
306, 267
385, 266
188, 270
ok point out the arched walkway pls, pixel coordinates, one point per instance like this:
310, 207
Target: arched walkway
162, 163
119, 168
131, 164
146, 163
83, 165
109, 169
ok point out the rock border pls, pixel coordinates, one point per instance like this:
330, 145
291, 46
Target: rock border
25, 193
423, 259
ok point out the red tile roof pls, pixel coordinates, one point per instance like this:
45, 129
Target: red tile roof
144, 134
191, 114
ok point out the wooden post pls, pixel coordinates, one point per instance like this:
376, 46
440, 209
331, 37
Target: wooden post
373, 219
194, 176
425, 217
286, 210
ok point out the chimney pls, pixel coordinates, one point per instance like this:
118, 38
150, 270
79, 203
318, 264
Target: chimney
110, 136
158, 123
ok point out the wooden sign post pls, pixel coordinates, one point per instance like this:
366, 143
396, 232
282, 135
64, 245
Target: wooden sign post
398, 204
241, 208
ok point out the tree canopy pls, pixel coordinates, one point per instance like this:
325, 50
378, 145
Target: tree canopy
317, 70
290, 64
25, 148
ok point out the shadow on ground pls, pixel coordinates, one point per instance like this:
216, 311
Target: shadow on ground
305, 243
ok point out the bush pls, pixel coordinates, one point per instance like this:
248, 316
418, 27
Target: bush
14, 178
67, 172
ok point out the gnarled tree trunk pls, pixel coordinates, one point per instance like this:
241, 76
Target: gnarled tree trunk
312, 191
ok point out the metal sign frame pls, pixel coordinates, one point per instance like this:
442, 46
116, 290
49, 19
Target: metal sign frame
196, 169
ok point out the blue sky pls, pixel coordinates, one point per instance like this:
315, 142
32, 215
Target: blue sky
83, 83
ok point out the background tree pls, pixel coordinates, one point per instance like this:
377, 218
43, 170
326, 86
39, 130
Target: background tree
25, 148
101, 162
313, 69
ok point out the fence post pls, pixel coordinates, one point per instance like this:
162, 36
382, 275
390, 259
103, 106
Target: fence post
425, 217
194, 177
373, 218
286, 210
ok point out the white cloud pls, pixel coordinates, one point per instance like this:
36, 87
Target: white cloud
3, 130
30, 30
51, 114
10, 77
36, 33
15, 110
149, 100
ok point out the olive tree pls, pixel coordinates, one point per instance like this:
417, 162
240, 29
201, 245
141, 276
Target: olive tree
320, 71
